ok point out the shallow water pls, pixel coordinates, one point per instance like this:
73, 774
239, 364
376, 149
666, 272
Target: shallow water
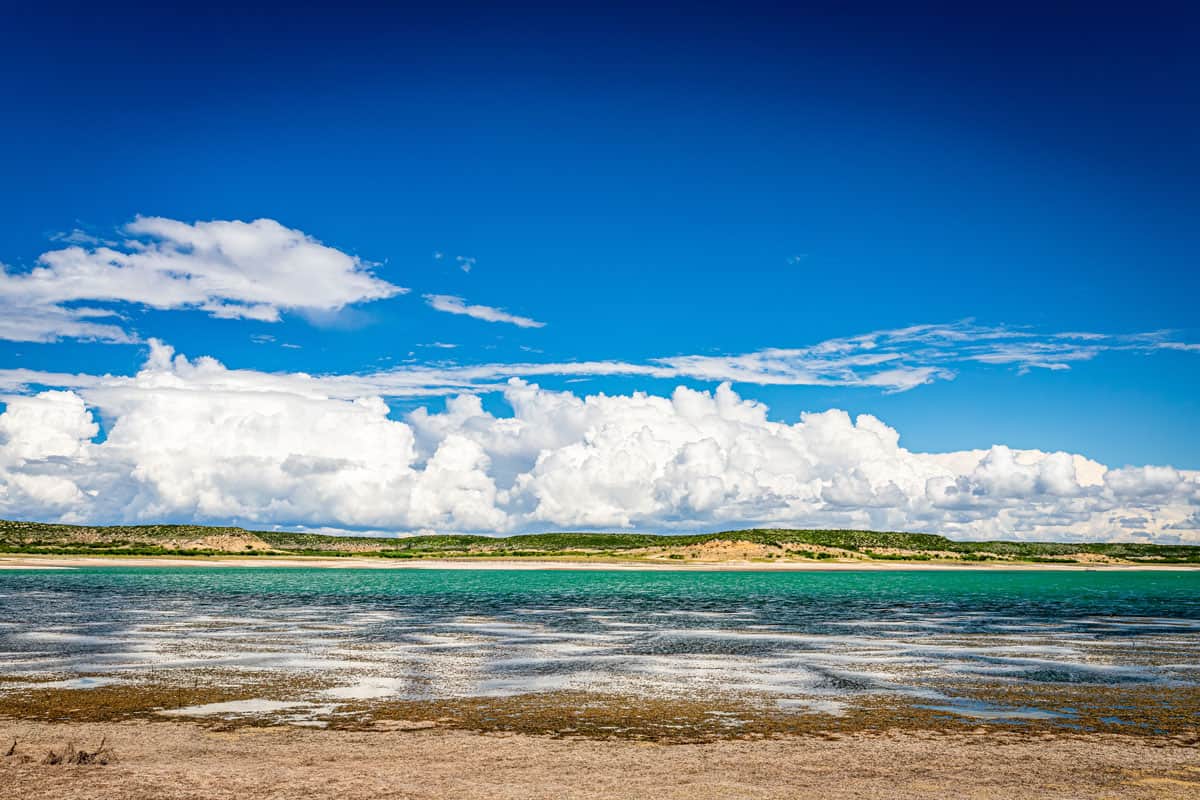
811, 642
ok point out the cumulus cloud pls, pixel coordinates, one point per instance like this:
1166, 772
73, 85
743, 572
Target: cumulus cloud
229, 269
456, 305
46, 445
189, 439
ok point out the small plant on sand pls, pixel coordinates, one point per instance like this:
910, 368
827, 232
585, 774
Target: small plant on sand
69, 755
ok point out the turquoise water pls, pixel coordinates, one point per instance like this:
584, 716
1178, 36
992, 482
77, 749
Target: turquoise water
1175, 592
806, 640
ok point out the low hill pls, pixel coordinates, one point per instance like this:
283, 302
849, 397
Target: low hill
740, 545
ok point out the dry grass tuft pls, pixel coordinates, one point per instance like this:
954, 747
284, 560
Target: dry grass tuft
69, 755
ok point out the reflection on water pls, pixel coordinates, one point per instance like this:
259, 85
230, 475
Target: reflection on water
811, 642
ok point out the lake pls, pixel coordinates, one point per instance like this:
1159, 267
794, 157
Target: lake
955, 642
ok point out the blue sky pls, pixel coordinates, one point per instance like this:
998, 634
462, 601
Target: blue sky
652, 183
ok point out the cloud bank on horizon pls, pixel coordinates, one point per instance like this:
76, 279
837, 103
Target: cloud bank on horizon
188, 444
192, 440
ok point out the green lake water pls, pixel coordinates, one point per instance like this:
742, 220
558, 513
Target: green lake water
814, 640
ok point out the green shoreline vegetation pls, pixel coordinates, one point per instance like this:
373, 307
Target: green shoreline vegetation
764, 545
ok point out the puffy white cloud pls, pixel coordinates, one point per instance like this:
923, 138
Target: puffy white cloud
229, 269
193, 440
456, 305
53, 424
45, 446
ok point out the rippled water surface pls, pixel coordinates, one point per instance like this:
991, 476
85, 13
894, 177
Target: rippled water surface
809, 641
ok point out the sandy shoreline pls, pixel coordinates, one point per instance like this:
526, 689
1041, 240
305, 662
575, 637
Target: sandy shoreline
185, 761
360, 562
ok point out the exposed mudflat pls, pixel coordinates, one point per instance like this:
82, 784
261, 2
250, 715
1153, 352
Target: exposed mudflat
183, 761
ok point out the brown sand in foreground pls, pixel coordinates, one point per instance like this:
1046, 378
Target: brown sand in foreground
360, 562
184, 761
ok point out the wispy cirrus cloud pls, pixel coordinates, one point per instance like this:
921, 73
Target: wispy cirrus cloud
78, 236
452, 304
50, 323
228, 269
891, 360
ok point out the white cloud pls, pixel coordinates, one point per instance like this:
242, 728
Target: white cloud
1190, 523
229, 269
49, 323
1182, 346
456, 305
44, 448
192, 440
894, 361
53, 424
77, 236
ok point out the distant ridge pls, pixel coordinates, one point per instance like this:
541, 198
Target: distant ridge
756, 544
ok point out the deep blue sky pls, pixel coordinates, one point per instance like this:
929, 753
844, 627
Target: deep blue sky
641, 179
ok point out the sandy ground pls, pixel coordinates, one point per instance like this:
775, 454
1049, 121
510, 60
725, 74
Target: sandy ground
353, 562
184, 761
